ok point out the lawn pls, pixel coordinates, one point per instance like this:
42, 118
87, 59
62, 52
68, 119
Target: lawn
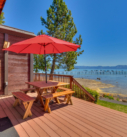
118, 107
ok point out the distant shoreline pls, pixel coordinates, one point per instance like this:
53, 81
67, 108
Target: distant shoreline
102, 67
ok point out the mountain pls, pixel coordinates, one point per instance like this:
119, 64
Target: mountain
102, 67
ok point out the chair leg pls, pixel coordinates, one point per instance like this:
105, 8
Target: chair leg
26, 104
17, 102
69, 99
65, 97
28, 109
47, 106
39, 97
57, 100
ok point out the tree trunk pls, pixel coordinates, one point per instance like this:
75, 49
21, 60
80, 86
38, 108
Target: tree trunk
53, 64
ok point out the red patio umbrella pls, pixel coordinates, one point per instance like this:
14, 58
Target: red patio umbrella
2, 2
43, 44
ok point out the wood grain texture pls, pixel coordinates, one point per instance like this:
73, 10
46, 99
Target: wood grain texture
53, 95
64, 89
18, 67
22, 96
27, 102
43, 84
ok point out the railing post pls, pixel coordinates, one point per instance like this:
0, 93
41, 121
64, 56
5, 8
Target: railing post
51, 77
39, 77
71, 79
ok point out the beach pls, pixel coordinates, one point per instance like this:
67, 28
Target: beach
99, 86
93, 84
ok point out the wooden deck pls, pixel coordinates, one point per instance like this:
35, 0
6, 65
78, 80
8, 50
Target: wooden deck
80, 119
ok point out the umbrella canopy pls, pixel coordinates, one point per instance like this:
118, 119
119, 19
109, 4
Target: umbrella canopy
43, 44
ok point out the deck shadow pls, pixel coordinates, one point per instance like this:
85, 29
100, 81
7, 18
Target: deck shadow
6, 128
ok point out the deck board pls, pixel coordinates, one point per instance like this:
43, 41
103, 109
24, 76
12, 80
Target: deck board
80, 119
87, 122
75, 120
108, 110
51, 123
104, 111
121, 123
102, 123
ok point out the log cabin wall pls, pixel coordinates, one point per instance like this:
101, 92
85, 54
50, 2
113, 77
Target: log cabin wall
18, 65
18, 68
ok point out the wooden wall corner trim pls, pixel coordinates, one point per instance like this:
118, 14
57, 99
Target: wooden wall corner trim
6, 68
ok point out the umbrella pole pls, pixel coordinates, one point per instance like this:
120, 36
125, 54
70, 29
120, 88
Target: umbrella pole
45, 67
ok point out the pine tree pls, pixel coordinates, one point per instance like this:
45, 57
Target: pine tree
2, 18
60, 24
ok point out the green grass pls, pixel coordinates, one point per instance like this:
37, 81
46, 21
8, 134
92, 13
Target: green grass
114, 106
110, 97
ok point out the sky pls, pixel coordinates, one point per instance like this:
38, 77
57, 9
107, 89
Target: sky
101, 23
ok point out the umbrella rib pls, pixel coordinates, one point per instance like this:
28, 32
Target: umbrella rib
24, 48
55, 48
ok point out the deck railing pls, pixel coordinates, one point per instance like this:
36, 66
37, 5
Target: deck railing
80, 92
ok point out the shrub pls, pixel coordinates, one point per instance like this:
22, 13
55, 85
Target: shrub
94, 93
118, 99
107, 96
110, 97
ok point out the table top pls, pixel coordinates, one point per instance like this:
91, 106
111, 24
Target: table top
43, 84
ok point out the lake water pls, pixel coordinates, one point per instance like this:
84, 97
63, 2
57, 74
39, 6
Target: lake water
116, 77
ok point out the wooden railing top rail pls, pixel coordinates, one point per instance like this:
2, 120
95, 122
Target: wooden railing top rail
54, 74
83, 89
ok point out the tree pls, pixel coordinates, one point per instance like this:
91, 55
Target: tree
60, 24
2, 18
39, 63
